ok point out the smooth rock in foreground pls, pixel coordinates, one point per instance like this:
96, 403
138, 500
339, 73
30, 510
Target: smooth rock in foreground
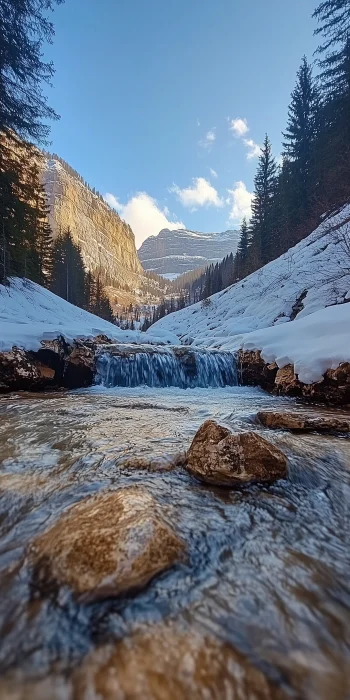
299, 421
220, 457
106, 545
166, 662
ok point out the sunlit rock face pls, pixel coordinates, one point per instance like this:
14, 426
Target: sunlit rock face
106, 241
175, 252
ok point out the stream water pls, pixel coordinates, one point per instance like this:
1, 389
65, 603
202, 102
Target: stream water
268, 567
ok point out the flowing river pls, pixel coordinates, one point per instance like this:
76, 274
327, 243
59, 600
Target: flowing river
267, 573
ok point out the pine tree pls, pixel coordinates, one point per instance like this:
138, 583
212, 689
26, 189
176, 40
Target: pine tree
16, 212
265, 184
102, 306
24, 28
68, 272
42, 244
227, 271
333, 17
90, 291
242, 250
300, 135
333, 148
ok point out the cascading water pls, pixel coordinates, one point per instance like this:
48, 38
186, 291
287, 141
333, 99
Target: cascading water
183, 367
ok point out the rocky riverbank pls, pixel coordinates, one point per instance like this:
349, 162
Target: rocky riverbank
56, 365
59, 364
333, 389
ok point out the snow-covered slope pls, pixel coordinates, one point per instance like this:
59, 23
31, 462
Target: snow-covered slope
175, 252
313, 275
29, 313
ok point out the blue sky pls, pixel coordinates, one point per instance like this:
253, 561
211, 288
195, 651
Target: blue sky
163, 102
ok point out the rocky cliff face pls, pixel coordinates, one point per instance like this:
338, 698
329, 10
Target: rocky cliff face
106, 242
173, 252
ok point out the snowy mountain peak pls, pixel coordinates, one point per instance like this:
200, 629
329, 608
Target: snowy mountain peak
181, 250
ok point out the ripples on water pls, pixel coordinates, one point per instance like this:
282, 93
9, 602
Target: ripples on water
268, 568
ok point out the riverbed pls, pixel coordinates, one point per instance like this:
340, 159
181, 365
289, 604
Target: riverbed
267, 572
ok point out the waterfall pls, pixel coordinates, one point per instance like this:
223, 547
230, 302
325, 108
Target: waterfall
161, 366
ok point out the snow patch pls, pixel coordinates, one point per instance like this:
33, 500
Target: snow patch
29, 314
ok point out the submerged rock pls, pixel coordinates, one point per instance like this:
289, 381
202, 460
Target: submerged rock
106, 545
220, 457
163, 463
160, 662
300, 421
166, 662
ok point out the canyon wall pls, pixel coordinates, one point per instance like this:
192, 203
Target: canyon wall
107, 243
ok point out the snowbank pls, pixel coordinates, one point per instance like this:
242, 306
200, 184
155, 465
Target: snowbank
306, 284
29, 314
313, 344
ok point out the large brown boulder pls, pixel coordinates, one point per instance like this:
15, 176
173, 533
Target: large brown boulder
217, 456
106, 545
288, 420
167, 662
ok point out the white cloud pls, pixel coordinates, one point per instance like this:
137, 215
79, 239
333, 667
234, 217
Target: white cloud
253, 148
144, 215
112, 201
213, 172
200, 194
239, 127
198, 122
209, 139
240, 200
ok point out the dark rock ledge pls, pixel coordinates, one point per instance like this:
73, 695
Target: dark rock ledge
56, 365
333, 389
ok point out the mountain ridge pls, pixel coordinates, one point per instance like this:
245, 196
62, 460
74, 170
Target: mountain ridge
172, 252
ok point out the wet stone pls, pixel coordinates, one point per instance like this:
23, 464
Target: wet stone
166, 662
303, 422
106, 545
162, 463
217, 456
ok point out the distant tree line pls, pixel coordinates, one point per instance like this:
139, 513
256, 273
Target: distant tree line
166, 306
213, 279
186, 280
